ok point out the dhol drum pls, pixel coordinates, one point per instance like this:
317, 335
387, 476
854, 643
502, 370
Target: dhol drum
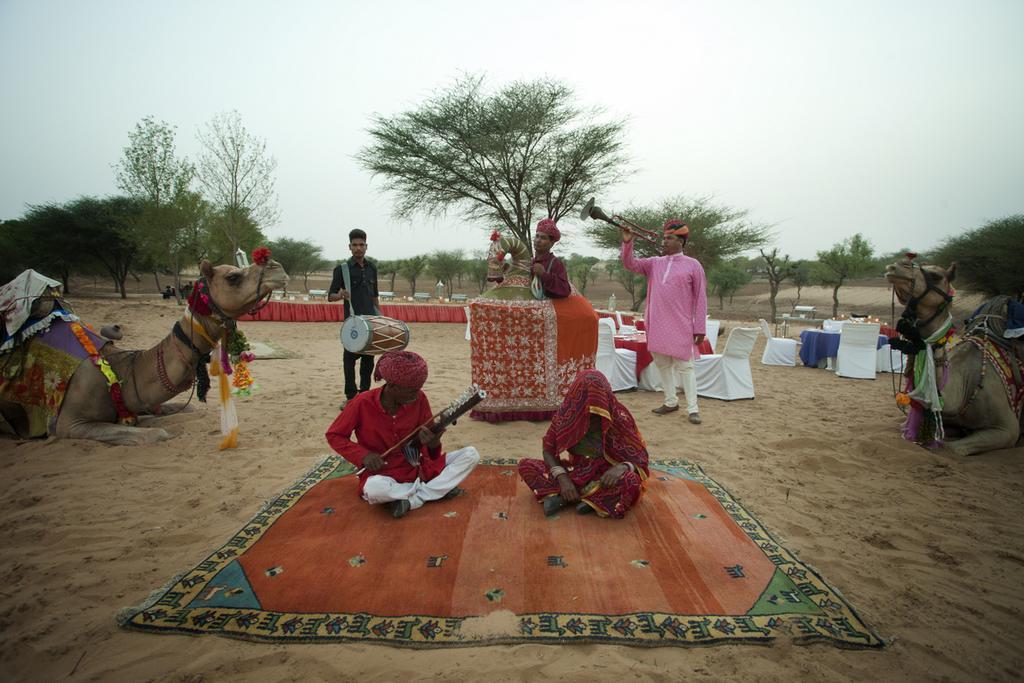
374, 334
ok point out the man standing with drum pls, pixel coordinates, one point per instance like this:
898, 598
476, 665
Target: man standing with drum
355, 282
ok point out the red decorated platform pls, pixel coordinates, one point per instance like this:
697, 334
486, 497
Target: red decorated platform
294, 312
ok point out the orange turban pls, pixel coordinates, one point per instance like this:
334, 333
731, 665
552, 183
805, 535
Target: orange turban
674, 226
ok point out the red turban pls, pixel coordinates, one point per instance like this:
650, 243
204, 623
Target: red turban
404, 368
548, 227
674, 226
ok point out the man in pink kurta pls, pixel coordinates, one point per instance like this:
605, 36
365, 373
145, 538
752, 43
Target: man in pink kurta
677, 308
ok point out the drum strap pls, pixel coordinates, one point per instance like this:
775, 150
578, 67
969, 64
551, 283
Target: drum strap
347, 278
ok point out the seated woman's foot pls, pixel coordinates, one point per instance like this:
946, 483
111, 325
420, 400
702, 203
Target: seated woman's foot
399, 508
454, 493
583, 509
552, 504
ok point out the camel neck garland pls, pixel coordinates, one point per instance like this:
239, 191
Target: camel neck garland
124, 416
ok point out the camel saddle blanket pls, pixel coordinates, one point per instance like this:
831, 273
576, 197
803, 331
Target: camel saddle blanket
1007, 369
36, 374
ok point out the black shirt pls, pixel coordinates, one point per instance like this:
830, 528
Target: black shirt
364, 286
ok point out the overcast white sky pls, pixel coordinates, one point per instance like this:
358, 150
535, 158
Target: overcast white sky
901, 120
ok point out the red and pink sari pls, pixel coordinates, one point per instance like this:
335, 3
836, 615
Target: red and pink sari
592, 451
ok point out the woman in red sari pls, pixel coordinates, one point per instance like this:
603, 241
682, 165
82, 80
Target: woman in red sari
608, 457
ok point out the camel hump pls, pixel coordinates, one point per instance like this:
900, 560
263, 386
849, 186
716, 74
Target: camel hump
1000, 319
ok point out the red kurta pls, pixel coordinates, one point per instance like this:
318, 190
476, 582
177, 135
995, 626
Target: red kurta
376, 431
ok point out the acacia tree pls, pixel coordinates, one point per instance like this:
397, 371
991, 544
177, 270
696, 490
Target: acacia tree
445, 266
411, 269
299, 257
522, 153
845, 260
237, 176
717, 232
580, 269
477, 268
778, 269
109, 230
801, 276
725, 279
45, 239
987, 257
634, 283
389, 269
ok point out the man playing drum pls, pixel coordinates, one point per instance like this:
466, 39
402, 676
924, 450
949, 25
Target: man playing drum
355, 282
381, 419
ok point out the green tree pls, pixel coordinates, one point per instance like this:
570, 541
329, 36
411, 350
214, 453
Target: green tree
580, 269
411, 269
777, 270
299, 257
227, 232
47, 240
717, 232
987, 257
634, 283
524, 152
477, 269
848, 259
150, 171
801, 276
110, 231
388, 269
237, 176
445, 266
725, 279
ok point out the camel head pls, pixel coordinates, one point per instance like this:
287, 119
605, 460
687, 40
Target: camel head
236, 291
928, 287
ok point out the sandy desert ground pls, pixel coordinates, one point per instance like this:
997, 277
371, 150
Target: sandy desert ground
928, 547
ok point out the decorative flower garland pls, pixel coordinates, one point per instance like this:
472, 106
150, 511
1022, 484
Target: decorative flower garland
124, 416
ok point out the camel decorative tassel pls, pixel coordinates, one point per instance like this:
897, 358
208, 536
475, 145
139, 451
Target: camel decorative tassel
228, 414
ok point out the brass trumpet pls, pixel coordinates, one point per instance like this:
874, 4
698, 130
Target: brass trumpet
595, 212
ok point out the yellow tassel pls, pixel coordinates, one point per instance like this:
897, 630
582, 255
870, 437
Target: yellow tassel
230, 441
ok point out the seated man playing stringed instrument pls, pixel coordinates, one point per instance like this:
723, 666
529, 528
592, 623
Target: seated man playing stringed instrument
607, 464
399, 456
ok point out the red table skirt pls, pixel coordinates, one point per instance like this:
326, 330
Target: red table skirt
282, 311
644, 358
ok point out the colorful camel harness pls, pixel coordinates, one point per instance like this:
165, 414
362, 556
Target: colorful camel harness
923, 392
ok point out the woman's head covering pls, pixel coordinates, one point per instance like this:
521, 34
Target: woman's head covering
590, 394
548, 227
404, 368
677, 227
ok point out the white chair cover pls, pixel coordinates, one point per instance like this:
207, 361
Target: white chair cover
618, 365
833, 325
858, 355
890, 360
777, 350
712, 327
466, 309
623, 328
727, 375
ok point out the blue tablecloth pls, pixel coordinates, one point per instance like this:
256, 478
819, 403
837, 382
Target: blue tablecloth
816, 345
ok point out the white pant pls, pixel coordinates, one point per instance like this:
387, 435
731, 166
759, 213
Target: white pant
668, 366
457, 466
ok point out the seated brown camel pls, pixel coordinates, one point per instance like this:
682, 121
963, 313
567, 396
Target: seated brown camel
974, 397
86, 408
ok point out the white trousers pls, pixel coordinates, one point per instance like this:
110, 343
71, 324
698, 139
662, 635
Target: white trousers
668, 366
457, 466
